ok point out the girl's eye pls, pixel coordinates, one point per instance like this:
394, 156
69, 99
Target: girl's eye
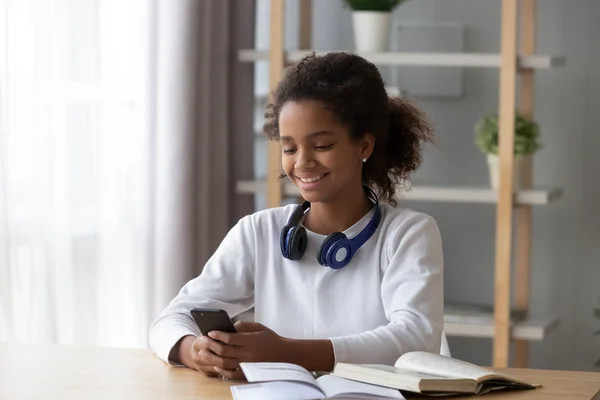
289, 151
329, 146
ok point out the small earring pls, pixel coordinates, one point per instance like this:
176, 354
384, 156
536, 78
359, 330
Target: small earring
364, 160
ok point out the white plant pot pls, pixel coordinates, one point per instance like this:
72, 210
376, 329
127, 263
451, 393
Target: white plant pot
519, 171
371, 30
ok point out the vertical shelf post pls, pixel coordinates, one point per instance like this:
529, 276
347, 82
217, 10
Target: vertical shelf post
276, 65
502, 281
305, 25
527, 40
304, 35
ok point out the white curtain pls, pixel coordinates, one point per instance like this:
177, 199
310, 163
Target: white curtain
76, 147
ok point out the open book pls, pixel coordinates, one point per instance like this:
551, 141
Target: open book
430, 374
290, 381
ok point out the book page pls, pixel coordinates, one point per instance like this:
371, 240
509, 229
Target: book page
335, 386
276, 390
417, 375
266, 371
438, 364
388, 376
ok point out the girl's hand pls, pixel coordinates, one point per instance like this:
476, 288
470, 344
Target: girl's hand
202, 359
254, 342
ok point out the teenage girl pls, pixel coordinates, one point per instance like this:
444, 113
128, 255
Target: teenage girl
345, 277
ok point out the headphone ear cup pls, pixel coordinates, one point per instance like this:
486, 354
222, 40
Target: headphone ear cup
296, 242
326, 245
283, 242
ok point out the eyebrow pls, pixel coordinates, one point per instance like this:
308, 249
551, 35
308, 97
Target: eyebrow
312, 134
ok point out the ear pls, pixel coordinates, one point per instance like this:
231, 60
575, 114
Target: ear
366, 145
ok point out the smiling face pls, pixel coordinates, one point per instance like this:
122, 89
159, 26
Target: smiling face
319, 156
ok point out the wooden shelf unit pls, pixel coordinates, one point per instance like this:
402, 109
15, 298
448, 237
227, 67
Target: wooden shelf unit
515, 60
438, 194
475, 60
527, 330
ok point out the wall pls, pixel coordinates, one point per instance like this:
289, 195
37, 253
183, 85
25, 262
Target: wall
566, 251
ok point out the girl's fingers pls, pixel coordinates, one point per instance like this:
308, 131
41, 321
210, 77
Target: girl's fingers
235, 374
207, 370
207, 357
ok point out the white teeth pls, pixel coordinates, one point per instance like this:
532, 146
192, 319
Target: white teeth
311, 180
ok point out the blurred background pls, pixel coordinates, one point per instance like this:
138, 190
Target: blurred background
126, 126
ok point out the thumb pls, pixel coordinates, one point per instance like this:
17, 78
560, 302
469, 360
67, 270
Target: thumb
246, 326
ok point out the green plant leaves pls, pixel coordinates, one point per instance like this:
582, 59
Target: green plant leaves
526, 135
373, 5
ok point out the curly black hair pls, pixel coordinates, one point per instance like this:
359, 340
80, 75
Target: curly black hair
353, 89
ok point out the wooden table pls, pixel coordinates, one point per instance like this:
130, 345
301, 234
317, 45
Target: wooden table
87, 373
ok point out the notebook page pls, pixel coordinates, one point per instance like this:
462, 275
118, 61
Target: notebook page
267, 371
276, 391
335, 386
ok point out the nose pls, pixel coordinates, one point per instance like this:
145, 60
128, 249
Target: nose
304, 160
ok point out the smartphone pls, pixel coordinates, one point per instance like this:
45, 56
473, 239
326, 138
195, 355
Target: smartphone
212, 319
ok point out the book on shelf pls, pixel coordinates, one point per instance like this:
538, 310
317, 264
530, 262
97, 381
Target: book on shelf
293, 382
431, 374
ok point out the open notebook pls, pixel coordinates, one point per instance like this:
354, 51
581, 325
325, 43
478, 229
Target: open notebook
431, 374
289, 381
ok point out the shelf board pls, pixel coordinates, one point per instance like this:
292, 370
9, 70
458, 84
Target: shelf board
444, 194
528, 329
483, 60
479, 195
391, 90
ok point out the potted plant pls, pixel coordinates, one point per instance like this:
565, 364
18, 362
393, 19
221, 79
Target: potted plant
526, 143
371, 21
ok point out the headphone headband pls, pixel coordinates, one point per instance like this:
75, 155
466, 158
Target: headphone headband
293, 240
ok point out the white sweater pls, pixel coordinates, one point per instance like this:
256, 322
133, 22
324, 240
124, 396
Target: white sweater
387, 301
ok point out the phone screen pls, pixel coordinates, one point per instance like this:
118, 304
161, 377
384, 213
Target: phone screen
209, 319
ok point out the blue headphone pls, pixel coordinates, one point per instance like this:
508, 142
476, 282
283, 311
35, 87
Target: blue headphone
293, 238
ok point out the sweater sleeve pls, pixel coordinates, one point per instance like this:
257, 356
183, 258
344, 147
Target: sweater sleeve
226, 282
412, 295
